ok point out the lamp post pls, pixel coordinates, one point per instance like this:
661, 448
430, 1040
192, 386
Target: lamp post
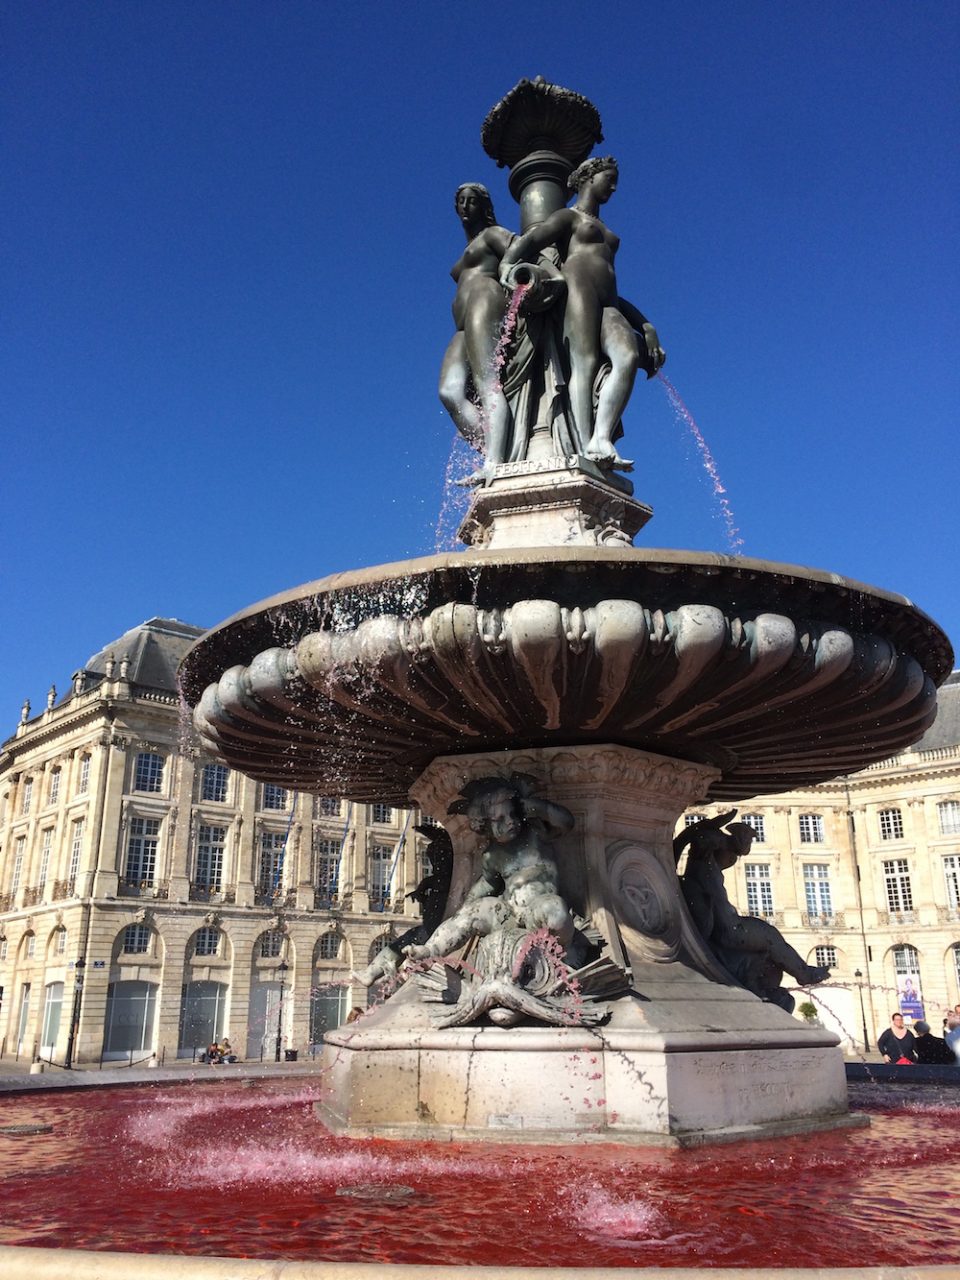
75, 1013
282, 970
863, 1013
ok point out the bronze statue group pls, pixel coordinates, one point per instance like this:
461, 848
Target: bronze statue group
573, 360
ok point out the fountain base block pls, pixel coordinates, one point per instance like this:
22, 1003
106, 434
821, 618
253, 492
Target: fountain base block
625, 1085
686, 1056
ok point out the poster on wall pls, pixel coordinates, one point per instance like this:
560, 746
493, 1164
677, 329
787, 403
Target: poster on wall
908, 990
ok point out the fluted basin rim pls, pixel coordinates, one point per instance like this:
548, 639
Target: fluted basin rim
194, 676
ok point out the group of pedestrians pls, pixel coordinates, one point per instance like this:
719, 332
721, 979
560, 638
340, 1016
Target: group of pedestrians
217, 1053
905, 1046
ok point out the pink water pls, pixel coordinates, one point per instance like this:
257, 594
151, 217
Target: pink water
686, 418
248, 1171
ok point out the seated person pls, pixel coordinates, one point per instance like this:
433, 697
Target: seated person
930, 1049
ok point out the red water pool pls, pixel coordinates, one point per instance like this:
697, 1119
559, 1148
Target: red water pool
248, 1172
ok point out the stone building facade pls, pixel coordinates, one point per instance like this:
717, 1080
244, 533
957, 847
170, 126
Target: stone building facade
200, 903
863, 874
151, 900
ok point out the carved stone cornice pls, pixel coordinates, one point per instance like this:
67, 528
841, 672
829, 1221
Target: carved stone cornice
563, 770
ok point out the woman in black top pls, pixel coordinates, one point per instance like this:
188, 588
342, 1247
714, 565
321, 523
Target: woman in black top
897, 1042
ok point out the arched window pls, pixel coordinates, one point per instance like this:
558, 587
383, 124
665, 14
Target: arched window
129, 1018
136, 939
52, 1007
329, 945
377, 945
270, 944
202, 1016
906, 968
206, 941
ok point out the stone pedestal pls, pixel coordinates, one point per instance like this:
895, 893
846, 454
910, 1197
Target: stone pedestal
687, 1057
551, 502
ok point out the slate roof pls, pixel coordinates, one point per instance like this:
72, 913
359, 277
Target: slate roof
155, 649
945, 730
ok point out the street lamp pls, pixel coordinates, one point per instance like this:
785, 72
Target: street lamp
75, 1014
863, 1013
282, 968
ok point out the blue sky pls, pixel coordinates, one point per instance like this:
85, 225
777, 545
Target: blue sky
226, 235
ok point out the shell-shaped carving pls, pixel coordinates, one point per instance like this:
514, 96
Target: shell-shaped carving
776, 676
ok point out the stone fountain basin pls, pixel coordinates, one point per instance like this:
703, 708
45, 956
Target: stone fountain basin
777, 675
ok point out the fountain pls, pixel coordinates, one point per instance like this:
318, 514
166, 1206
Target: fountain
555, 697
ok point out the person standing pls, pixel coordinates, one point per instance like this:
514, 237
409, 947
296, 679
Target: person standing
897, 1042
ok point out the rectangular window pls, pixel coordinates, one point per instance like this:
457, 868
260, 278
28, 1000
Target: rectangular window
61, 946
949, 814
382, 813
381, 860
31, 945
816, 888
951, 874
891, 824
270, 869
274, 797
142, 847
83, 777
759, 889
811, 828
755, 820
3, 948
26, 796
45, 847
326, 865
210, 846
691, 819
54, 793
213, 783
326, 806
826, 956
20, 850
896, 875
148, 775
76, 846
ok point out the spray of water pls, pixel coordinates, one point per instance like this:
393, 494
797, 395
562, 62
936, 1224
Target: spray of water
463, 460
686, 418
